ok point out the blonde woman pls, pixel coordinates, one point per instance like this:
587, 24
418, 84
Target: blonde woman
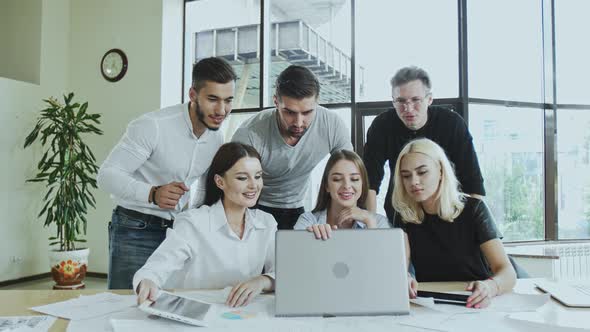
449, 235
342, 198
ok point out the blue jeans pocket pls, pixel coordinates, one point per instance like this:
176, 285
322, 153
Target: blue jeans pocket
127, 222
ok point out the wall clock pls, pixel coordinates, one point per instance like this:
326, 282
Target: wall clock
113, 65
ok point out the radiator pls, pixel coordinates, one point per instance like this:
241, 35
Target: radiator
573, 262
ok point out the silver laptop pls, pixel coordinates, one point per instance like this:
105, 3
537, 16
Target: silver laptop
355, 272
570, 293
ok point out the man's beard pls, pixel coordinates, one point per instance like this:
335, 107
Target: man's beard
296, 134
201, 117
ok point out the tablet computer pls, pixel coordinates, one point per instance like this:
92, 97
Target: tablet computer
179, 308
446, 298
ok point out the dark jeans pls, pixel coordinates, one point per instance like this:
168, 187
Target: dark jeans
133, 237
286, 218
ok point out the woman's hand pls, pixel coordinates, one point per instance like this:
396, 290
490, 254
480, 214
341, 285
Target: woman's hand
147, 290
244, 292
348, 216
481, 295
412, 286
322, 231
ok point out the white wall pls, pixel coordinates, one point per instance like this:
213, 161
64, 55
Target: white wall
172, 24
134, 26
75, 36
22, 233
20, 37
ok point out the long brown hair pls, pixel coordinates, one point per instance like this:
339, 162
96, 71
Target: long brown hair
324, 198
225, 158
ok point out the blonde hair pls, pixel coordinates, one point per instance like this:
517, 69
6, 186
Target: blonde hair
449, 200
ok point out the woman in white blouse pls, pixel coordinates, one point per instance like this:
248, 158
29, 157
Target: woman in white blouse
342, 198
222, 243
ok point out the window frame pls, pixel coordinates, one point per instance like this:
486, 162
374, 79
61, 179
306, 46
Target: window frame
461, 103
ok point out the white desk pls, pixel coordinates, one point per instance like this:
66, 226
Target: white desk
17, 302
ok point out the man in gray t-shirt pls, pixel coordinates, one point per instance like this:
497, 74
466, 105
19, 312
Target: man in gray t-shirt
292, 139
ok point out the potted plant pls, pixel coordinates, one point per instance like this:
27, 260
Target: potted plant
67, 168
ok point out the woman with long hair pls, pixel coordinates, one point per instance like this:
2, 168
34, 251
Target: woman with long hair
342, 198
222, 243
450, 236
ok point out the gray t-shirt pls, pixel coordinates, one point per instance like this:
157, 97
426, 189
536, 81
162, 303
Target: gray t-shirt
321, 217
286, 169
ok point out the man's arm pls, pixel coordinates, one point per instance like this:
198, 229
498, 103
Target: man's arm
115, 173
464, 158
374, 158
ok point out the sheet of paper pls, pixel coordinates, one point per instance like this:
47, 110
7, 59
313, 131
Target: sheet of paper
26, 323
164, 325
432, 321
261, 307
103, 324
564, 320
85, 307
510, 302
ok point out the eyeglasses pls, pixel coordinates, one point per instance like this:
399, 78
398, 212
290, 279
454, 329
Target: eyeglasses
412, 102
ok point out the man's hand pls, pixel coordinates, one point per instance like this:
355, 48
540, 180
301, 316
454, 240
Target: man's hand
167, 196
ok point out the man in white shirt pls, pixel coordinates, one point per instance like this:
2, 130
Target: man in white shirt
159, 167
292, 139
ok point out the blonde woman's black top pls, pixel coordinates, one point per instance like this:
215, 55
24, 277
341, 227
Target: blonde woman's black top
450, 251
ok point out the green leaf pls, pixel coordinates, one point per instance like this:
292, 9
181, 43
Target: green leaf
68, 98
33, 135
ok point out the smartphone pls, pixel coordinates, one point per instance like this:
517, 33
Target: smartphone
446, 298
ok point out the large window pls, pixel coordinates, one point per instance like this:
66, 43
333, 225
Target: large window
511, 160
505, 50
314, 34
573, 147
573, 69
396, 33
531, 142
227, 29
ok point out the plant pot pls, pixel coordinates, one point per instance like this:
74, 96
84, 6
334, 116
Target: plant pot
68, 268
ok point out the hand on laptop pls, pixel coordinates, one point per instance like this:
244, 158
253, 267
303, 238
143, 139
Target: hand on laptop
322, 231
412, 286
481, 296
147, 290
244, 292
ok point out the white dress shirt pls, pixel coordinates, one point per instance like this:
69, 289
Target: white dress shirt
203, 252
158, 148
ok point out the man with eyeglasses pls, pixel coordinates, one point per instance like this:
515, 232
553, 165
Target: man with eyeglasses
415, 117
159, 167
292, 139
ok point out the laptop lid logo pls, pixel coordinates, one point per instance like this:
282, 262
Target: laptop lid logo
340, 270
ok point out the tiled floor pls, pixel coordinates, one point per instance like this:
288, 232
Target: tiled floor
91, 283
